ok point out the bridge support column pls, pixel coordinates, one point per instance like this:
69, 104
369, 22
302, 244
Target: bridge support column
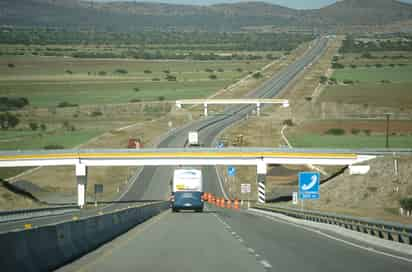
261, 182
205, 109
81, 177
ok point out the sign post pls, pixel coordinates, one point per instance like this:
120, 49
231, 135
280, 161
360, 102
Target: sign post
245, 188
98, 188
309, 183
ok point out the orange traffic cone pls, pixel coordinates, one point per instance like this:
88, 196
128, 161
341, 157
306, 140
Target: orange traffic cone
229, 204
236, 204
205, 196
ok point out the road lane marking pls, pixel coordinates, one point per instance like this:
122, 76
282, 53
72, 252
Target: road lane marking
266, 264
321, 233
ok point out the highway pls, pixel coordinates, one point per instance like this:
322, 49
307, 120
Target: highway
221, 239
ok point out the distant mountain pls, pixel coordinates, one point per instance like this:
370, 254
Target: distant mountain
134, 16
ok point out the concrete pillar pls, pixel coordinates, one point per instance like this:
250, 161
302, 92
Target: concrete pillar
258, 109
205, 109
261, 182
81, 177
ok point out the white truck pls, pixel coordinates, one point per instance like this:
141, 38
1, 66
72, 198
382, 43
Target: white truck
187, 190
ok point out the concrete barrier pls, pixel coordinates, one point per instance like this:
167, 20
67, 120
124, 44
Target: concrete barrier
49, 247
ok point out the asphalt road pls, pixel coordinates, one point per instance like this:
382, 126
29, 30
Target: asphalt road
221, 239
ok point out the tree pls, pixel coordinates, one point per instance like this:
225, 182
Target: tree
323, 79
33, 126
257, 75
43, 127
8, 120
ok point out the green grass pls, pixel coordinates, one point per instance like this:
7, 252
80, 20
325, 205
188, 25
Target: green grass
362, 74
50, 94
63, 138
349, 141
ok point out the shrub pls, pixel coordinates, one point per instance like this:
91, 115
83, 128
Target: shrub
323, 79
239, 70
53, 146
257, 75
43, 127
11, 65
367, 55
136, 89
355, 131
121, 71
69, 72
367, 132
213, 76
135, 100
155, 79
147, 71
209, 70
378, 65
170, 78
385, 81
33, 126
406, 203
333, 80
288, 122
96, 113
353, 66
66, 104
8, 120
347, 81
161, 98
220, 70
336, 65
335, 131
102, 73
166, 71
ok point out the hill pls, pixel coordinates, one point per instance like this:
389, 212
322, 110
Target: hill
135, 16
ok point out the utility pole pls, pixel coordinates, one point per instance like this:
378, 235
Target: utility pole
387, 129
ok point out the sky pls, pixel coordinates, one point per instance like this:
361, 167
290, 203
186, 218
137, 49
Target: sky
297, 4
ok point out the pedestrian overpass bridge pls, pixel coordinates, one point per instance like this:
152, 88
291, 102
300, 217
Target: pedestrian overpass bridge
81, 159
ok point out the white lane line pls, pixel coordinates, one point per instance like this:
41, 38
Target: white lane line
221, 184
251, 250
266, 264
370, 249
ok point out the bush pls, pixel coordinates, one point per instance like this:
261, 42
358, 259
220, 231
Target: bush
166, 71
335, 131
69, 72
336, 65
257, 75
160, 98
147, 71
406, 203
333, 80
367, 132
378, 65
43, 127
136, 89
220, 70
33, 126
385, 81
353, 66
102, 73
209, 70
11, 65
213, 76
355, 131
135, 100
121, 71
96, 113
155, 79
66, 104
8, 120
170, 78
323, 79
53, 146
288, 122
239, 70
12, 103
346, 81
367, 55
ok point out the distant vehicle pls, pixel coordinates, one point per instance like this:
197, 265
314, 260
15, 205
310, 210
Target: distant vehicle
193, 138
187, 190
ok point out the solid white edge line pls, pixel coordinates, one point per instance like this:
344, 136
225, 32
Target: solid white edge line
269, 216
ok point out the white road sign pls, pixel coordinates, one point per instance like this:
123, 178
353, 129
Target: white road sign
245, 188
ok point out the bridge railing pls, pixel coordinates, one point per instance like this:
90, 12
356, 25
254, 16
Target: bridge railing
382, 229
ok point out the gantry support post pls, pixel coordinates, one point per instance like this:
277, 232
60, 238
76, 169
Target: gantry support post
261, 181
81, 178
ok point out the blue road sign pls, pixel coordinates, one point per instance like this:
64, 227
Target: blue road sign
309, 185
220, 145
231, 171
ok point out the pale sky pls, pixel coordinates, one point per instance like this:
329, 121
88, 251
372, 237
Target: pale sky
298, 4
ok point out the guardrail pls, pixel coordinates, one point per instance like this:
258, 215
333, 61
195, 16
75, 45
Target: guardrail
14, 215
382, 229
